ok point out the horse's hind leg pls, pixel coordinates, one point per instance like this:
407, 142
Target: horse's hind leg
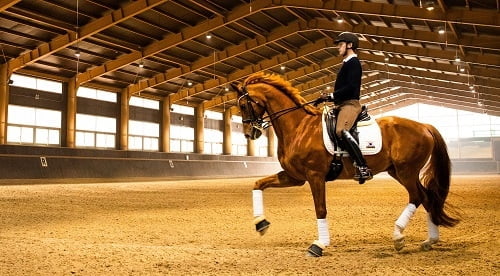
410, 181
279, 180
417, 196
433, 234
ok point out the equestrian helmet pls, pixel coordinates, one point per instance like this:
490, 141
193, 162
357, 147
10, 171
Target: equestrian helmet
348, 37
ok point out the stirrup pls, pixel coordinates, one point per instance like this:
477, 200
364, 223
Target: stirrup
363, 174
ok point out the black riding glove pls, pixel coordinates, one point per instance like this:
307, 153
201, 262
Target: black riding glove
324, 98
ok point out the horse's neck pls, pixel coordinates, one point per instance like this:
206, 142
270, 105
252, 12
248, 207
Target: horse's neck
287, 123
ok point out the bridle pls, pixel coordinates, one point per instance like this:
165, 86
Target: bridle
259, 123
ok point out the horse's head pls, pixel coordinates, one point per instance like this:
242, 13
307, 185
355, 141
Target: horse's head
252, 112
253, 100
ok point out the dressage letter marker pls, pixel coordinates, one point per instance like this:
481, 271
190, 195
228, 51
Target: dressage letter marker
43, 162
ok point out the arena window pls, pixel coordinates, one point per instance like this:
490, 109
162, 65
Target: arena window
95, 131
33, 126
143, 135
36, 83
467, 134
96, 94
181, 138
146, 103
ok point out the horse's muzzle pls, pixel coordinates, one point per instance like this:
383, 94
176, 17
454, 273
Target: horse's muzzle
255, 133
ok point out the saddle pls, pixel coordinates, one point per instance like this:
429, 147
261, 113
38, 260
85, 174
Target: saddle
330, 122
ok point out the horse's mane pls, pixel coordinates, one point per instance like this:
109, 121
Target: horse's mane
284, 86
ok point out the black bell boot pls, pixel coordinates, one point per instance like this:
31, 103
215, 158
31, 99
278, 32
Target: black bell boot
363, 173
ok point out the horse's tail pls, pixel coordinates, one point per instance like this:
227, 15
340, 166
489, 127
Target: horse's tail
436, 179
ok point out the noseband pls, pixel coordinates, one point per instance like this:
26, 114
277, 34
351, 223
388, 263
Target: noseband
257, 123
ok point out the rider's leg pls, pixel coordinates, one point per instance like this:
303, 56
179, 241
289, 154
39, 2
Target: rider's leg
348, 113
352, 147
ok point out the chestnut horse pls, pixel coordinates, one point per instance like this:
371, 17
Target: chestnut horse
406, 147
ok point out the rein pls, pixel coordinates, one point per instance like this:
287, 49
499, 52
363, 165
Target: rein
265, 122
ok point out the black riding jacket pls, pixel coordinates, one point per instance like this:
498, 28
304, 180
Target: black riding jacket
348, 83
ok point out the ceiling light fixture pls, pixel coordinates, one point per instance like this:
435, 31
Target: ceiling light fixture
141, 64
340, 19
77, 53
208, 36
429, 5
440, 30
282, 68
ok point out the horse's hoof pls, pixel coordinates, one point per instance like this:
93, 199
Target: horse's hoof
427, 244
261, 225
399, 243
315, 250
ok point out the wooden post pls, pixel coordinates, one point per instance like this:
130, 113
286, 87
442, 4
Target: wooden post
199, 140
71, 113
226, 139
4, 102
165, 125
124, 117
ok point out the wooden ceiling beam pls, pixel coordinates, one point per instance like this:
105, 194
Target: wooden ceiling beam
5, 4
457, 78
487, 42
442, 97
427, 65
420, 77
253, 68
461, 16
172, 40
400, 100
296, 27
93, 27
483, 59
220, 56
458, 94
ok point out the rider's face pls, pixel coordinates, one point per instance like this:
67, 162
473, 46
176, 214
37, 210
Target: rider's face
342, 48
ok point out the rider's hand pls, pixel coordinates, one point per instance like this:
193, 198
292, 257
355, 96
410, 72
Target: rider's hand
328, 97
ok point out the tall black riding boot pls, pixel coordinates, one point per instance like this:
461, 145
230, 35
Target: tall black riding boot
351, 146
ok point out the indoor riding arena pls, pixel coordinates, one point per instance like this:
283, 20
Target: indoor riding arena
135, 138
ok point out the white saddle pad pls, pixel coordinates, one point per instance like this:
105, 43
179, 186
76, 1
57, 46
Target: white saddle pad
370, 137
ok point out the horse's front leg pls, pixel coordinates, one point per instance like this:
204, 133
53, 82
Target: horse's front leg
317, 184
279, 180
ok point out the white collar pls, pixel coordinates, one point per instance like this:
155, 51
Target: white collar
349, 57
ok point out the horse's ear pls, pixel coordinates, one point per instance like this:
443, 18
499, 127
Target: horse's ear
236, 88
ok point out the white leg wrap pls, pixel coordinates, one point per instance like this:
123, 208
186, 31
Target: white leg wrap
258, 204
323, 233
433, 229
405, 216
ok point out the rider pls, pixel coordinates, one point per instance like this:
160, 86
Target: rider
346, 98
